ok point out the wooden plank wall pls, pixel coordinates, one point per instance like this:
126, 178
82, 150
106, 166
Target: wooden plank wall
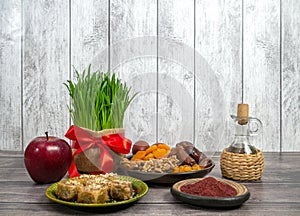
135, 19
218, 38
261, 64
240, 51
45, 67
11, 75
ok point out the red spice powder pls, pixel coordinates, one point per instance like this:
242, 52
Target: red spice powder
209, 187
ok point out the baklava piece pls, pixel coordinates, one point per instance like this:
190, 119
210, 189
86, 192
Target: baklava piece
92, 194
121, 190
94, 189
67, 190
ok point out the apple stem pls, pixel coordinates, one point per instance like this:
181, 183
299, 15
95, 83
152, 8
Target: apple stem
46, 135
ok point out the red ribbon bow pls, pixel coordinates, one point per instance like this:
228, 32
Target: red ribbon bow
83, 140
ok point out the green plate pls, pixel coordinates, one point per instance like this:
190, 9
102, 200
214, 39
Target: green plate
139, 186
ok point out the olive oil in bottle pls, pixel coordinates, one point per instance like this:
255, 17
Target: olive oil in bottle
241, 143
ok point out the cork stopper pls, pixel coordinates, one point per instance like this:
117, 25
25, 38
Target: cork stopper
243, 113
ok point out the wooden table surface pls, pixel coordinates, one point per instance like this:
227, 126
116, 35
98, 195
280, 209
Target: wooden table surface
277, 193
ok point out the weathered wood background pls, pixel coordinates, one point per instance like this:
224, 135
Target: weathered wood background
251, 49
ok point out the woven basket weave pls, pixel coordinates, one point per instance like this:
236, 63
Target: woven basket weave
88, 161
242, 167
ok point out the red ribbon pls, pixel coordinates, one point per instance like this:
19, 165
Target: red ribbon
83, 140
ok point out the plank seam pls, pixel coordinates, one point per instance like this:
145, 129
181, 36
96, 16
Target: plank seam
22, 76
242, 51
70, 52
108, 36
280, 79
194, 112
157, 68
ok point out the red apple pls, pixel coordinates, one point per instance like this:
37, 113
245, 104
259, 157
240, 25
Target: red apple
47, 159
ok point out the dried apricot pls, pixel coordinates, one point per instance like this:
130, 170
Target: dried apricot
187, 168
148, 156
163, 146
176, 169
160, 152
151, 149
181, 168
196, 167
139, 155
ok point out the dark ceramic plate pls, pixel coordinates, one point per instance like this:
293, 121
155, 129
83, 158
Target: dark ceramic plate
168, 178
140, 187
215, 202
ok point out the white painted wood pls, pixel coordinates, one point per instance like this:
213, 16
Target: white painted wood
175, 71
290, 75
10, 75
133, 29
262, 67
89, 34
46, 67
133, 59
219, 83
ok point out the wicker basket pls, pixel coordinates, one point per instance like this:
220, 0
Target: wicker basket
242, 167
88, 161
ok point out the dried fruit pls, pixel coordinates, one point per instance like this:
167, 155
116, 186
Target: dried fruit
151, 149
139, 146
163, 146
149, 156
139, 155
160, 152
187, 168
155, 151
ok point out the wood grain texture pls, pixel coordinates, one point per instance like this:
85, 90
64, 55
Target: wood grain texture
46, 68
237, 44
133, 59
151, 209
89, 34
218, 84
276, 194
290, 75
156, 195
10, 75
12, 169
261, 59
175, 71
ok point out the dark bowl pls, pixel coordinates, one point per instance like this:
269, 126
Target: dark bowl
168, 178
213, 202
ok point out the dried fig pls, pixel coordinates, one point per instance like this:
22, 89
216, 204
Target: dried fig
205, 162
184, 144
139, 146
184, 157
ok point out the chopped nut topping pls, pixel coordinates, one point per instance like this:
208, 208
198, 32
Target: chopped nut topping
160, 165
95, 188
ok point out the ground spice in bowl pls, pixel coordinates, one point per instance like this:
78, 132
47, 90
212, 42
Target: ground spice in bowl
209, 187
